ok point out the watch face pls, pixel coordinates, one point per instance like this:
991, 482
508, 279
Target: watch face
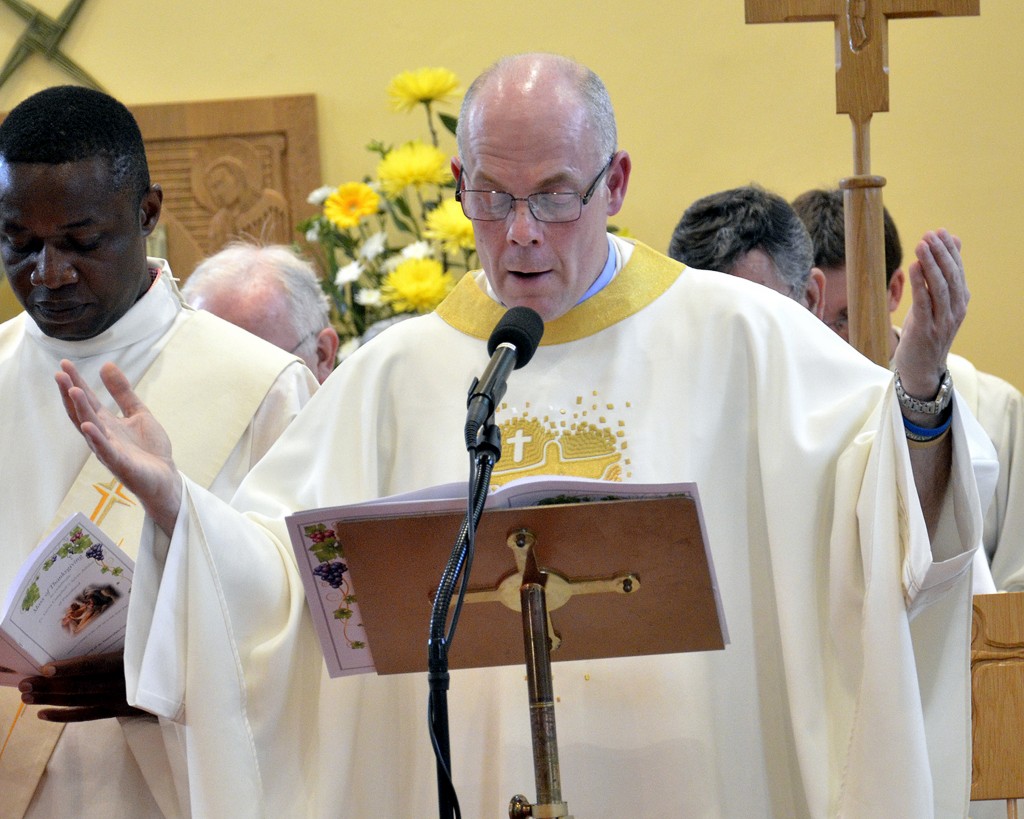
945, 390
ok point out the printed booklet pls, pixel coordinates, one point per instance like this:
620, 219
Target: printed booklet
70, 598
330, 593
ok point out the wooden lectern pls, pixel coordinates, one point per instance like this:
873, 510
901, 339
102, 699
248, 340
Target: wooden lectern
997, 698
614, 578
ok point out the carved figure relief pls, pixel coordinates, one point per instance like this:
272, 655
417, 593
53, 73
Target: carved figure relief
857, 16
228, 180
229, 169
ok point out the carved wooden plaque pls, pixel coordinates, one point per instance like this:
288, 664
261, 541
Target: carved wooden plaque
997, 696
229, 169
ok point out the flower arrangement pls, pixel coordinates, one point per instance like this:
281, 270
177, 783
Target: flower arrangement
394, 246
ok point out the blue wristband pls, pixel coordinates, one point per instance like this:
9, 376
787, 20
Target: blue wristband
924, 434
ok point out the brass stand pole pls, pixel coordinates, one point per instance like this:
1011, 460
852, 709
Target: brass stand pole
549, 804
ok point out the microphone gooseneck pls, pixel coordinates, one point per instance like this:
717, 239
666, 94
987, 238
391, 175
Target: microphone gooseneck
512, 344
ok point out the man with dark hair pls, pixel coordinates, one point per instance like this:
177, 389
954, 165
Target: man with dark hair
998, 405
91, 124
821, 212
753, 234
756, 235
828, 530
76, 206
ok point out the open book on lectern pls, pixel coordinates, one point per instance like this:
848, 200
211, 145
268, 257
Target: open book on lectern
627, 568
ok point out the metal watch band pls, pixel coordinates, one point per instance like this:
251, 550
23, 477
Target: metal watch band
933, 407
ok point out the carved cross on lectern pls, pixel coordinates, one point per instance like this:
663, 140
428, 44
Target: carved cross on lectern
862, 87
557, 587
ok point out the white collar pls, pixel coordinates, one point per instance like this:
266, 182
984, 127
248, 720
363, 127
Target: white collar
149, 316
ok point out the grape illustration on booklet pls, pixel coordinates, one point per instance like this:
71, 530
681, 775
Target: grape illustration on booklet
331, 596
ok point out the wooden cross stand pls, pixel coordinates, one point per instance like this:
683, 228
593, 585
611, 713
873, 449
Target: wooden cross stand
862, 87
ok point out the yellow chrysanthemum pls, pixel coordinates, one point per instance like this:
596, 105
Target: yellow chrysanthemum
410, 88
416, 286
448, 224
350, 203
412, 164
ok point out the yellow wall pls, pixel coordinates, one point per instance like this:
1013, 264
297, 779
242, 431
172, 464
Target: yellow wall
704, 101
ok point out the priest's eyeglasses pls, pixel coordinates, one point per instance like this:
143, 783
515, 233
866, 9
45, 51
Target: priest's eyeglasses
304, 339
554, 206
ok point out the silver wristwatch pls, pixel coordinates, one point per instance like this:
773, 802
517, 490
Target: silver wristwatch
933, 407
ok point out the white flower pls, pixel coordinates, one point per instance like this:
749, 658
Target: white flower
349, 347
313, 234
417, 250
319, 196
374, 246
369, 297
348, 273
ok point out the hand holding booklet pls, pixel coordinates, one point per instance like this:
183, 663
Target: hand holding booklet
400, 543
69, 599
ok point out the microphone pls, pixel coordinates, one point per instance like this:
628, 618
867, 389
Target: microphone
511, 346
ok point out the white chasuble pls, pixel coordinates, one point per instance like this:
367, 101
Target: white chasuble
815, 708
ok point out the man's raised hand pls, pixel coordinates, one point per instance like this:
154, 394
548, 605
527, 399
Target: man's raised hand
940, 296
133, 446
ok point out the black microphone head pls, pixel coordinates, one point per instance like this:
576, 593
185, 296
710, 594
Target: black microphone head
522, 328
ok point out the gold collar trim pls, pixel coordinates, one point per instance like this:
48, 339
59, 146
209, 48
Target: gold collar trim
642, 279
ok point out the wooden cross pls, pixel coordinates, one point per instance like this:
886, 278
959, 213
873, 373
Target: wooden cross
862, 87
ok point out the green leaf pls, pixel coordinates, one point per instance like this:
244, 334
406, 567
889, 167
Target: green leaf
400, 223
326, 551
400, 203
349, 245
448, 121
31, 597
